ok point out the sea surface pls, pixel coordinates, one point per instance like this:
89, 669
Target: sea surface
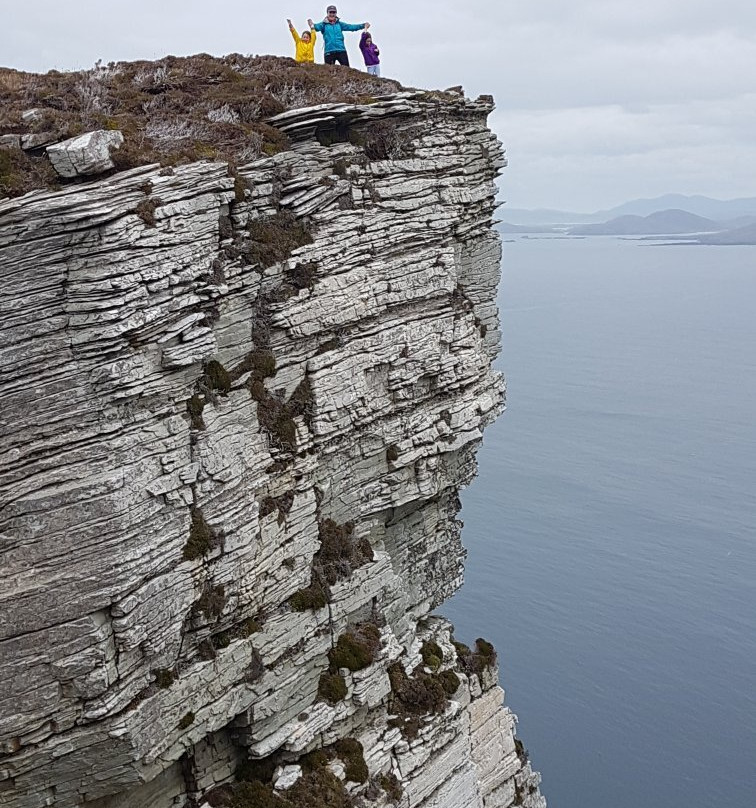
611, 532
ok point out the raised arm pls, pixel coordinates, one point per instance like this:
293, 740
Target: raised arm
318, 26
294, 32
354, 26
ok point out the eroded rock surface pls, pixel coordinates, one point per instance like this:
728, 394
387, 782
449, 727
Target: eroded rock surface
237, 414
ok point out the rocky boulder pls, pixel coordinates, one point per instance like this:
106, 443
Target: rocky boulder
86, 154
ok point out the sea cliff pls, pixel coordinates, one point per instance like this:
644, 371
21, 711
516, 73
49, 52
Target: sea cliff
238, 409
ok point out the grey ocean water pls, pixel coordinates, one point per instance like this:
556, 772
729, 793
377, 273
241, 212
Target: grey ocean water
611, 530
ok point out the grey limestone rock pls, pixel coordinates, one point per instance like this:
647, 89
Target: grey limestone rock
83, 155
234, 430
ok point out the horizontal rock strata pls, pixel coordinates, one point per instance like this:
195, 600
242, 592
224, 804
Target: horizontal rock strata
237, 414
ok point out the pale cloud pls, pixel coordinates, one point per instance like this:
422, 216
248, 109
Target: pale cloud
598, 100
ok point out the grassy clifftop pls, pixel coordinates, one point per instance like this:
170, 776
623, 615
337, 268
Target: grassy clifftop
175, 110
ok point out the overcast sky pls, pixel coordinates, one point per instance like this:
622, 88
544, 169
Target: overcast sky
598, 101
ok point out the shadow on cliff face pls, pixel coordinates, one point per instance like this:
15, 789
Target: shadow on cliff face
172, 111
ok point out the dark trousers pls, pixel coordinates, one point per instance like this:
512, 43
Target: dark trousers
342, 57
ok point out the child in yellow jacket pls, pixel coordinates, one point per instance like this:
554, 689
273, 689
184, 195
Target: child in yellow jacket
305, 44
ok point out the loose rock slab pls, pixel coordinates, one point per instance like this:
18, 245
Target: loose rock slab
85, 155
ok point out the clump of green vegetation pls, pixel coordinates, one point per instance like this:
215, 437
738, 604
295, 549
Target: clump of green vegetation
391, 785
211, 602
414, 696
274, 238
315, 596
483, 658
338, 556
187, 720
145, 210
303, 275
20, 173
222, 640
383, 140
261, 364
420, 694
357, 648
277, 417
250, 627
257, 770
202, 538
432, 654
341, 168
340, 552
194, 406
350, 751
239, 632
216, 377
332, 688
256, 795
206, 650
316, 759
164, 677
449, 681
257, 390
282, 504
319, 788
301, 400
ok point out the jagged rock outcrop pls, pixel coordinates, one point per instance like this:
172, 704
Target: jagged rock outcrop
237, 414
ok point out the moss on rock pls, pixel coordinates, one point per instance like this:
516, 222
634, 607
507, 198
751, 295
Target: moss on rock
202, 538
274, 238
357, 648
338, 556
332, 688
483, 658
352, 754
217, 377
432, 654
195, 406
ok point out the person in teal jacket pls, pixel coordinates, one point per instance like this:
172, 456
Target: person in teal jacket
333, 29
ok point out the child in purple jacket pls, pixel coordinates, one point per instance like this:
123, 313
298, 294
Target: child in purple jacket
370, 54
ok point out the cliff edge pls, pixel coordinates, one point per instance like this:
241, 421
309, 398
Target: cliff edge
238, 409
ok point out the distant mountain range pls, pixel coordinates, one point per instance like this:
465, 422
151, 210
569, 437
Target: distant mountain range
716, 209
724, 221
663, 222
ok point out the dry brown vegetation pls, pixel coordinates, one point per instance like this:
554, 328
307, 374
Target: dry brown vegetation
175, 110
339, 555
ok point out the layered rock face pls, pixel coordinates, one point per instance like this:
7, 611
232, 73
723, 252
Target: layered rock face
237, 415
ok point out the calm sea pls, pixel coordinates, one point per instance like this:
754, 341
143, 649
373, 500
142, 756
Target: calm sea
612, 555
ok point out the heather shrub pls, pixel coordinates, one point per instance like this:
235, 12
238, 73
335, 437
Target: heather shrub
171, 111
357, 648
